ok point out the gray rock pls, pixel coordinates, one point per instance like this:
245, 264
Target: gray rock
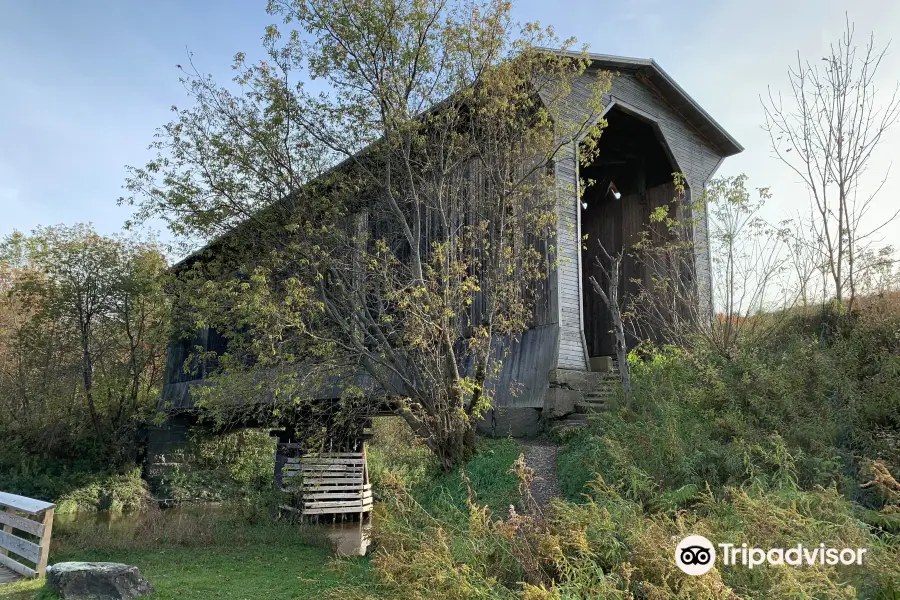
97, 581
560, 402
582, 381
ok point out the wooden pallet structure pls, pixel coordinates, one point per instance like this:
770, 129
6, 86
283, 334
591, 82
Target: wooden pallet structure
27, 529
327, 483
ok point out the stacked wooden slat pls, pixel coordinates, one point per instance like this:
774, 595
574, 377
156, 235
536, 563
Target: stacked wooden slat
329, 483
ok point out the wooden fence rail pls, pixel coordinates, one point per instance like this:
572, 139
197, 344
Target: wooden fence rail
27, 528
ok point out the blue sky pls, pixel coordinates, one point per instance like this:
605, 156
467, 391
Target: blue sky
85, 83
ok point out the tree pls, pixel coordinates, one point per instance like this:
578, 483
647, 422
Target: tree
139, 313
749, 263
827, 135
614, 303
748, 266
415, 260
89, 324
804, 259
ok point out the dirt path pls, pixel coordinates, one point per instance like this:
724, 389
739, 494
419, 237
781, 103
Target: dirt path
540, 455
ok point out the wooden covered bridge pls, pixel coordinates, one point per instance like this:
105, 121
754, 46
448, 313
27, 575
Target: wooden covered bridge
654, 129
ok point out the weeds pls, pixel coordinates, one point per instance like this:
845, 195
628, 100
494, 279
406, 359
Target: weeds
774, 447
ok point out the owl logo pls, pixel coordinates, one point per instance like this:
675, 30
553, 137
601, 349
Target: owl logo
695, 555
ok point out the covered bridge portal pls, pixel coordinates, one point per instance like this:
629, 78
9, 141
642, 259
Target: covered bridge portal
654, 130
631, 176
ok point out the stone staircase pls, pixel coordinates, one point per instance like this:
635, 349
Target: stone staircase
575, 395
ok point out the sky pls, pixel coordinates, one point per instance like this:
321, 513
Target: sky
85, 84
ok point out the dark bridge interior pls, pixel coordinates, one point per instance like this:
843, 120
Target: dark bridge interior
632, 158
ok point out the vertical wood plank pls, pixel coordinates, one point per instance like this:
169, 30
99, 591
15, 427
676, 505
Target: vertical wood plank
365, 479
7, 529
578, 249
41, 567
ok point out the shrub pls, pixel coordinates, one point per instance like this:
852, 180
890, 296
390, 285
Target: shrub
88, 478
125, 492
396, 455
773, 446
612, 546
399, 460
222, 467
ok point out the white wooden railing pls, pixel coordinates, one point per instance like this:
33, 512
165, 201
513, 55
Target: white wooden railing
27, 527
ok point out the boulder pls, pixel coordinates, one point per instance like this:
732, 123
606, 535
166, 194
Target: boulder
97, 581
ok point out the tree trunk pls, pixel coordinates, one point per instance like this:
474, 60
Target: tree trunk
611, 300
87, 369
132, 357
450, 437
455, 447
622, 356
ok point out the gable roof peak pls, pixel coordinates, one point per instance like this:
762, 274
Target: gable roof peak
671, 92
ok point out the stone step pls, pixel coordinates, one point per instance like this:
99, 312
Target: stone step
613, 377
594, 402
572, 423
602, 364
575, 380
588, 408
581, 417
606, 390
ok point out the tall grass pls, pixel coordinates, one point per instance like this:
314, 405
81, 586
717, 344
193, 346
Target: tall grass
786, 442
226, 526
398, 460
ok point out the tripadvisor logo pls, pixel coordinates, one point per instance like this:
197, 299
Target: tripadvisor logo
696, 555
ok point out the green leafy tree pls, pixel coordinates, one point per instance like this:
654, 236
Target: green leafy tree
88, 324
416, 261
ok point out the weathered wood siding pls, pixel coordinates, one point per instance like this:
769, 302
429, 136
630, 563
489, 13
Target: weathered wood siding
526, 363
466, 207
521, 381
556, 338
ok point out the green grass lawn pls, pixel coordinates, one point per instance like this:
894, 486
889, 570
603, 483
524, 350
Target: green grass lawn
257, 572
23, 590
221, 555
488, 474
